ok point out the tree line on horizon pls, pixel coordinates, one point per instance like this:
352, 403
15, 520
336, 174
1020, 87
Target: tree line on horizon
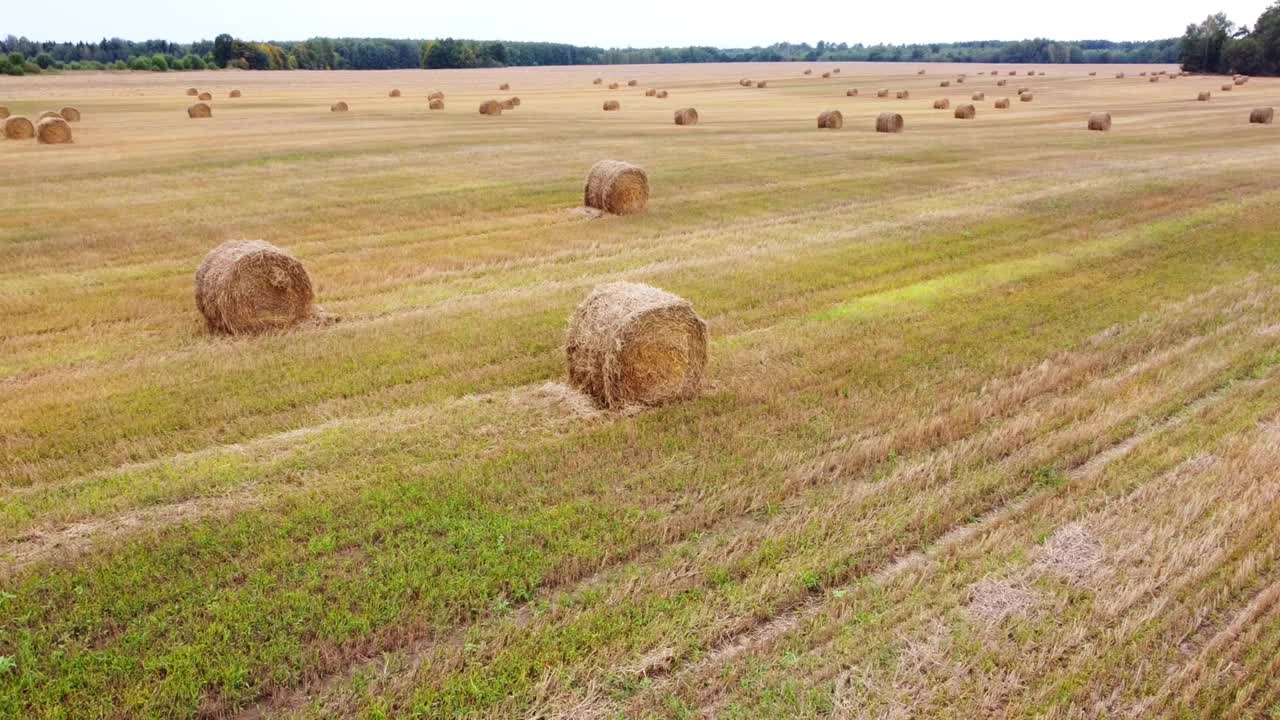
1215, 45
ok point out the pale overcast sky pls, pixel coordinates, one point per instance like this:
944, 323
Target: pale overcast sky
647, 23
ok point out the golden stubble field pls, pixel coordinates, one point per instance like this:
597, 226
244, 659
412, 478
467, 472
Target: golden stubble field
990, 426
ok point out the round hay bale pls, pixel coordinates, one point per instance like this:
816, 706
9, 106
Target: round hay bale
945, 83
490, 107
53, 131
686, 116
883, 93
632, 83
504, 86
744, 82
1013, 72
920, 72
1100, 121
1226, 88
904, 95
1142, 74
978, 96
835, 71
831, 120
1094, 73
1119, 76
630, 343
611, 105
1262, 116
943, 104
966, 112
808, 72
852, 92
1002, 104
515, 100
826, 76
762, 83
613, 86
192, 92
598, 81
616, 187
651, 92
49, 114
889, 123
17, 127
1154, 79
437, 95
1002, 83
339, 106
1241, 80
395, 92
199, 110
4, 112
1204, 96
1026, 97
662, 94
233, 94
436, 104
70, 114
960, 80
252, 286
204, 97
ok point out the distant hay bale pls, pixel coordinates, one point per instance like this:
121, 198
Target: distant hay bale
835, 71
339, 106
204, 97
611, 105
960, 80
616, 187
192, 92
1013, 72
826, 75
515, 100
1154, 79
1026, 97
436, 104
234, 94
762, 83
1002, 104
1241, 80
686, 116
651, 92
945, 83
943, 104
904, 95
490, 107
598, 81
630, 343
1262, 116
1100, 121
613, 86
1142, 74
920, 71
252, 286
830, 120
17, 127
966, 112
662, 94
200, 110
1092, 74
744, 82
53, 131
395, 92
1226, 88
978, 96
1119, 75
437, 95
1002, 83
882, 93
852, 92
889, 123
4, 112
70, 114
1204, 96
504, 86
632, 83
808, 72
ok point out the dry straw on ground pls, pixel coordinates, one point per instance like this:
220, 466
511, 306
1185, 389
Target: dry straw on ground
53, 131
1100, 121
490, 107
942, 104
200, 110
611, 105
234, 94
339, 106
616, 187
1002, 104
18, 128
966, 112
436, 104
70, 114
852, 92
205, 96
395, 92
630, 343
830, 120
1262, 116
686, 116
252, 286
978, 96
1204, 96
889, 123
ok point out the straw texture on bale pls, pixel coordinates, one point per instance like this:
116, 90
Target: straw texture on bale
192, 92
490, 107
394, 93
18, 128
686, 116
199, 110
504, 86
904, 95
252, 286
889, 123
4, 112
830, 120
978, 96
1026, 97
234, 94
1204, 96
662, 94
204, 97
882, 93
437, 95
1002, 104
943, 104
1100, 121
339, 106
632, 83
53, 131
436, 104
651, 92
966, 112
630, 343
70, 114
853, 92
616, 187
610, 105
1262, 116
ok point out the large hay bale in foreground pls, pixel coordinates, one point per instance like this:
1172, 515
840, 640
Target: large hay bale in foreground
192, 92
18, 128
830, 120
204, 97
1002, 104
339, 106
904, 95
70, 114
199, 110
611, 105
1262, 116
966, 112
1026, 97
1204, 96
233, 94
1100, 121
252, 286
436, 95
436, 104
882, 92
490, 107
53, 131
686, 116
943, 104
978, 96
616, 187
630, 343
889, 123
395, 92
851, 92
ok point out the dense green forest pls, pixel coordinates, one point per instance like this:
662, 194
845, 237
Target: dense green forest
1215, 45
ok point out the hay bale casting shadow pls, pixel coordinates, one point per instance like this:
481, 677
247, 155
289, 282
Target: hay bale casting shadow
616, 187
252, 286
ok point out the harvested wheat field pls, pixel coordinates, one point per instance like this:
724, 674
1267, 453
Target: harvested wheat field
860, 437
